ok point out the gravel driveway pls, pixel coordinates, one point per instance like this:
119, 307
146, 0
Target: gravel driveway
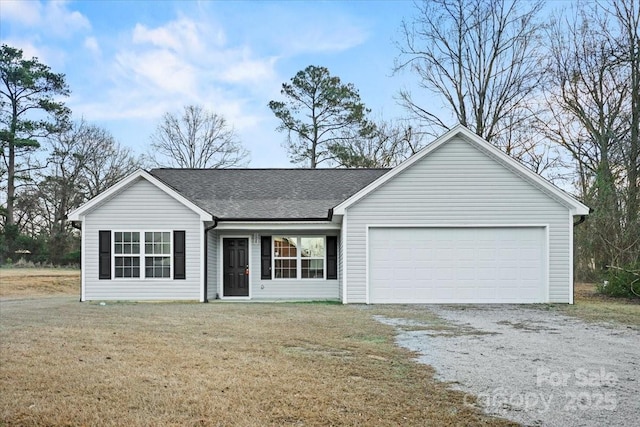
531, 365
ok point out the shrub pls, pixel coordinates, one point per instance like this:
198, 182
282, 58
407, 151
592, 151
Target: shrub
71, 258
22, 263
621, 282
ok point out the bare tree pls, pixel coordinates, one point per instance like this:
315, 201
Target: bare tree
626, 13
196, 139
83, 161
387, 145
594, 101
106, 162
481, 59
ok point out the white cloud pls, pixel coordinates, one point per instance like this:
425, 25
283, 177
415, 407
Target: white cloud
138, 102
180, 35
159, 70
62, 22
91, 44
20, 11
133, 74
52, 18
183, 61
190, 60
246, 70
197, 51
52, 57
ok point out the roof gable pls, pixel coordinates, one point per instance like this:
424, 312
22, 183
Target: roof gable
77, 214
577, 207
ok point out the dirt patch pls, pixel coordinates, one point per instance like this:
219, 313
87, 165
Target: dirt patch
430, 326
527, 326
68, 363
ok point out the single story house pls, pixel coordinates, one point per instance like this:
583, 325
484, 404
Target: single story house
458, 222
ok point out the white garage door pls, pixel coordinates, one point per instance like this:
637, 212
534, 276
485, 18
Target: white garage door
457, 265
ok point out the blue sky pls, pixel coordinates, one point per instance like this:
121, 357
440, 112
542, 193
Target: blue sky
128, 62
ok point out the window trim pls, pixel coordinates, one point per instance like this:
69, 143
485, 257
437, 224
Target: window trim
142, 255
298, 257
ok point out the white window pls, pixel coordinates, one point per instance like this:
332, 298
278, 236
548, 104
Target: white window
128, 252
298, 257
157, 248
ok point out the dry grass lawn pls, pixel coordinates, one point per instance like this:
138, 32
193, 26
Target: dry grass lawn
593, 307
69, 363
33, 282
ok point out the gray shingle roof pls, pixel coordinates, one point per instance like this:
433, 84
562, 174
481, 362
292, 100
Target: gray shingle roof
268, 193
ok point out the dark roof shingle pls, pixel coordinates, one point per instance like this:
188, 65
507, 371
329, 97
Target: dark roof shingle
268, 193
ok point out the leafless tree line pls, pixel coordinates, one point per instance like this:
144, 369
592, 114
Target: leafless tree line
81, 162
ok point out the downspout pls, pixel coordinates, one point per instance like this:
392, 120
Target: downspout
206, 258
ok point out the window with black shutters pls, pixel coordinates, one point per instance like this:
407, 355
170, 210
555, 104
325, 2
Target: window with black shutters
142, 254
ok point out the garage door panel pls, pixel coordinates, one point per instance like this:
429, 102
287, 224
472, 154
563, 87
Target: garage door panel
466, 273
445, 253
422, 265
487, 254
383, 275
485, 274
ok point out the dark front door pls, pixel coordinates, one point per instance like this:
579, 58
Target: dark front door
235, 259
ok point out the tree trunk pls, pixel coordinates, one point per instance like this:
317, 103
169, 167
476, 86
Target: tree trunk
11, 169
314, 143
11, 185
634, 143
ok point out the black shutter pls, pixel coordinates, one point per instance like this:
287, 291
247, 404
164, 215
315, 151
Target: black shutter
332, 257
179, 258
104, 254
265, 253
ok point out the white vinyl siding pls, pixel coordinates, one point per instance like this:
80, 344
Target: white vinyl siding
268, 290
458, 184
142, 206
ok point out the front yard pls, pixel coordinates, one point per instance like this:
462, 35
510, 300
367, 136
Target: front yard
68, 363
